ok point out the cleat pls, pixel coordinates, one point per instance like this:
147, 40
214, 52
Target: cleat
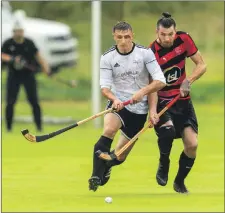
108, 168
180, 188
162, 174
94, 183
106, 175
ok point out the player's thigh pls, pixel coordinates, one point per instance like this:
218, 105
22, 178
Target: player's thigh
30, 86
12, 89
121, 142
167, 123
112, 124
164, 120
190, 138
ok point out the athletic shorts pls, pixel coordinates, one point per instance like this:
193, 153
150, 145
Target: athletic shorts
132, 123
182, 114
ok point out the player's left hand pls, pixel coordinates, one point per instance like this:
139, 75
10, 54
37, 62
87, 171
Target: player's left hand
137, 97
153, 117
185, 88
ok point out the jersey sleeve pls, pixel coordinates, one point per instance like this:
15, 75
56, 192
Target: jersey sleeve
106, 78
190, 45
153, 67
5, 48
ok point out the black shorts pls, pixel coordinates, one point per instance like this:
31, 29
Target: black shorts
182, 114
132, 123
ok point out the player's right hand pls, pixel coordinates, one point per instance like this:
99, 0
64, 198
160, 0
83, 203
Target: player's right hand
185, 88
117, 105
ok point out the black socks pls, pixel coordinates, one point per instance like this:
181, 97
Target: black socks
185, 165
103, 144
166, 135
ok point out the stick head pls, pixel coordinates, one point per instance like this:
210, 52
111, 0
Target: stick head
105, 156
28, 136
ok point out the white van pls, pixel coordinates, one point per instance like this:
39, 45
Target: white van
53, 39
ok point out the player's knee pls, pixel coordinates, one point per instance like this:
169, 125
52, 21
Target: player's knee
109, 131
9, 105
191, 148
33, 103
11, 102
166, 133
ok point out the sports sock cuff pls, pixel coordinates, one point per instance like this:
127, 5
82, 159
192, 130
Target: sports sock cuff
188, 161
107, 141
118, 162
184, 156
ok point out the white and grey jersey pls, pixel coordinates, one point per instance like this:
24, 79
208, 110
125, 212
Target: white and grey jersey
125, 74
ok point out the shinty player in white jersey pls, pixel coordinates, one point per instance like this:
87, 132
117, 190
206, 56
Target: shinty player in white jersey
125, 73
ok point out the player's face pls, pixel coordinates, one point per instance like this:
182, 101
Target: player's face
123, 39
18, 34
166, 36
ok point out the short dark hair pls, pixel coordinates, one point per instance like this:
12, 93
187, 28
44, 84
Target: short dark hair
166, 21
122, 25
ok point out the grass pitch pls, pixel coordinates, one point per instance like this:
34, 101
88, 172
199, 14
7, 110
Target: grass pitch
52, 176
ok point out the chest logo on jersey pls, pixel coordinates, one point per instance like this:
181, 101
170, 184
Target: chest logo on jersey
116, 65
178, 50
136, 61
172, 74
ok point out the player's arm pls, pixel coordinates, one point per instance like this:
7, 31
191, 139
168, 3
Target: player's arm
106, 81
199, 69
6, 57
43, 63
158, 79
152, 103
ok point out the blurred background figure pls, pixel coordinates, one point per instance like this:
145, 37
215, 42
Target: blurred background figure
21, 55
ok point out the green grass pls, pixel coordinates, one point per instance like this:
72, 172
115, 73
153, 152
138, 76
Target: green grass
52, 176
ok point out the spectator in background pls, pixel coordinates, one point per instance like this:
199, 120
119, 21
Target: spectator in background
20, 54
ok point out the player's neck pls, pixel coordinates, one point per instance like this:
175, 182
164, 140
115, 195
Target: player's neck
159, 42
18, 40
125, 50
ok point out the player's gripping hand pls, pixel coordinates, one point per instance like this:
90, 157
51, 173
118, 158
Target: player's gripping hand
185, 88
117, 105
153, 117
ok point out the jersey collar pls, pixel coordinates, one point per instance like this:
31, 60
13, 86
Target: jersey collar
128, 52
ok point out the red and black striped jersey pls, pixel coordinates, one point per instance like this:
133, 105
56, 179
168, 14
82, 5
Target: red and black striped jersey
172, 62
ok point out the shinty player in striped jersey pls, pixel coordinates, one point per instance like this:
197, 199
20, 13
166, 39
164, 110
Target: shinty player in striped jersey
125, 73
171, 49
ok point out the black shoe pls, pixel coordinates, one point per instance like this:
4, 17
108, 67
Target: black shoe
94, 183
106, 175
162, 174
180, 188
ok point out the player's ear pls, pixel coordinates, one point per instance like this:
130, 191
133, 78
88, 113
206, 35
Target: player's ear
113, 34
